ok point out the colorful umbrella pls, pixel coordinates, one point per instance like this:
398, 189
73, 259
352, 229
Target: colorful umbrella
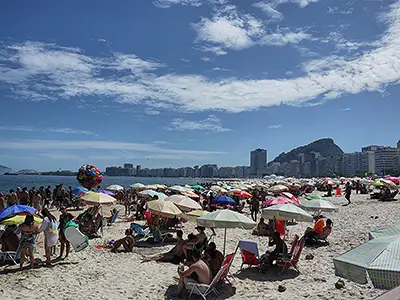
291, 197
223, 200
18, 220
243, 194
16, 209
277, 201
198, 187
78, 190
106, 192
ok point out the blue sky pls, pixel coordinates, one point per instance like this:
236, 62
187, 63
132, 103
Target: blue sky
185, 82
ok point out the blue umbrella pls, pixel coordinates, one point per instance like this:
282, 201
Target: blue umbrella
223, 200
16, 209
106, 192
77, 190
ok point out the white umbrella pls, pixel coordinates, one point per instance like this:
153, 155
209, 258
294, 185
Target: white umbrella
194, 214
138, 186
177, 188
225, 218
318, 205
152, 187
115, 187
152, 193
184, 202
278, 188
92, 198
217, 188
164, 208
286, 212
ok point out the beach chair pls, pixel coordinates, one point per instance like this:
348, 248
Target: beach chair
143, 233
204, 290
249, 252
10, 255
113, 219
77, 239
292, 260
228, 260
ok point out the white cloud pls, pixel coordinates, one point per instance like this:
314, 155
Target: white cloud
301, 3
212, 123
62, 73
97, 145
275, 126
151, 112
206, 59
36, 129
102, 40
284, 37
271, 12
346, 109
169, 3
221, 69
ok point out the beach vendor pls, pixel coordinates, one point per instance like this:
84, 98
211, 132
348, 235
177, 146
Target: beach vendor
65, 217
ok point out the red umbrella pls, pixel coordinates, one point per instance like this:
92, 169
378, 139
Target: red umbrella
395, 180
280, 200
243, 194
291, 197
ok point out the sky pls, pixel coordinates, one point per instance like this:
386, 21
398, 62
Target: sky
172, 83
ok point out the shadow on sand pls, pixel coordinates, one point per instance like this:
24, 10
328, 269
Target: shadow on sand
274, 274
15, 268
225, 291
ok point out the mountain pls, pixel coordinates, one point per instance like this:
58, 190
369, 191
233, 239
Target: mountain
27, 171
325, 147
4, 169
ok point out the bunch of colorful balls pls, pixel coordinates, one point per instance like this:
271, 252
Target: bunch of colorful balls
89, 176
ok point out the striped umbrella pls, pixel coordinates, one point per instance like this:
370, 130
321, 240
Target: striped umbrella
378, 258
385, 231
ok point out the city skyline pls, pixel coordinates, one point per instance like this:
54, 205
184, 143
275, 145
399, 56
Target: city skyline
187, 82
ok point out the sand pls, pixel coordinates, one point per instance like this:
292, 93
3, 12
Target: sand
100, 274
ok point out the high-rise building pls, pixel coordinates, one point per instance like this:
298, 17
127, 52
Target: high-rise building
208, 171
258, 162
139, 170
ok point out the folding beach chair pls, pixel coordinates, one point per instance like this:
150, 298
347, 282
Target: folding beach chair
204, 290
291, 261
249, 252
113, 219
143, 233
10, 255
77, 239
228, 260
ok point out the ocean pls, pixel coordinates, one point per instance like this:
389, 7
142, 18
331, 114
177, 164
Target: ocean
8, 182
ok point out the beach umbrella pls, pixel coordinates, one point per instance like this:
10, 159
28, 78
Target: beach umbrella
115, 188
329, 181
194, 214
190, 194
377, 183
278, 188
388, 183
164, 208
219, 189
277, 201
152, 187
177, 188
395, 180
106, 192
151, 193
18, 220
16, 209
243, 194
393, 229
198, 187
184, 202
291, 197
137, 186
223, 200
318, 205
92, 198
78, 190
286, 212
378, 259
314, 197
225, 218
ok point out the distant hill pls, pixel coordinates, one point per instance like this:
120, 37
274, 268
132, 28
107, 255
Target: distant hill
325, 147
27, 171
4, 169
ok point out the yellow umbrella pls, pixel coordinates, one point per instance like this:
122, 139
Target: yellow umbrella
18, 220
92, 198
164, 208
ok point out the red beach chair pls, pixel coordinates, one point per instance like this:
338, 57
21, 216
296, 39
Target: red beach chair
291, 261
249, 252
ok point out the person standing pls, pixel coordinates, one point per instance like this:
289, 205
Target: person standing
347, 192
12, 198
2, 200
36, 201
24, 196
29, 231
65, 217
254, 208
49, 227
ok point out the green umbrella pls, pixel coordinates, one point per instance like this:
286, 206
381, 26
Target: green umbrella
286, 212
225, 218
318, 205
377, 183
198, 187
313, 197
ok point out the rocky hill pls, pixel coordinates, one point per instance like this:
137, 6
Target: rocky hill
325, 147
4, 169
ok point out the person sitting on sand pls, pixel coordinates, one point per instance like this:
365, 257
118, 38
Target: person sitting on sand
175, 255
280, 247
128, 242
9, 239
214, 258
198, 269
263, 229
326, 231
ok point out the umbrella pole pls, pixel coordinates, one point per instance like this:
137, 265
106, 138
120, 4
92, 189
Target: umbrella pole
224, 241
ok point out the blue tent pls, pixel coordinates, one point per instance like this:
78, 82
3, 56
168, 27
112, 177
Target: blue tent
223, 200
16, 209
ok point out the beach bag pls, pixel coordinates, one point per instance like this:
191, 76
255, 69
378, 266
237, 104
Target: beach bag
264, 263
78, 240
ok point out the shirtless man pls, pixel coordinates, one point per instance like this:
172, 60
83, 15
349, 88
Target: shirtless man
175, 255
24, 197
127, 242
199, 267
12, 198
37, 201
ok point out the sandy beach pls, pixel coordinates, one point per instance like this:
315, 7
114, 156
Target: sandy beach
100, 274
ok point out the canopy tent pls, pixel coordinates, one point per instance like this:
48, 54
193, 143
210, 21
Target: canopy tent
378, 258
225, 218
393, 229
